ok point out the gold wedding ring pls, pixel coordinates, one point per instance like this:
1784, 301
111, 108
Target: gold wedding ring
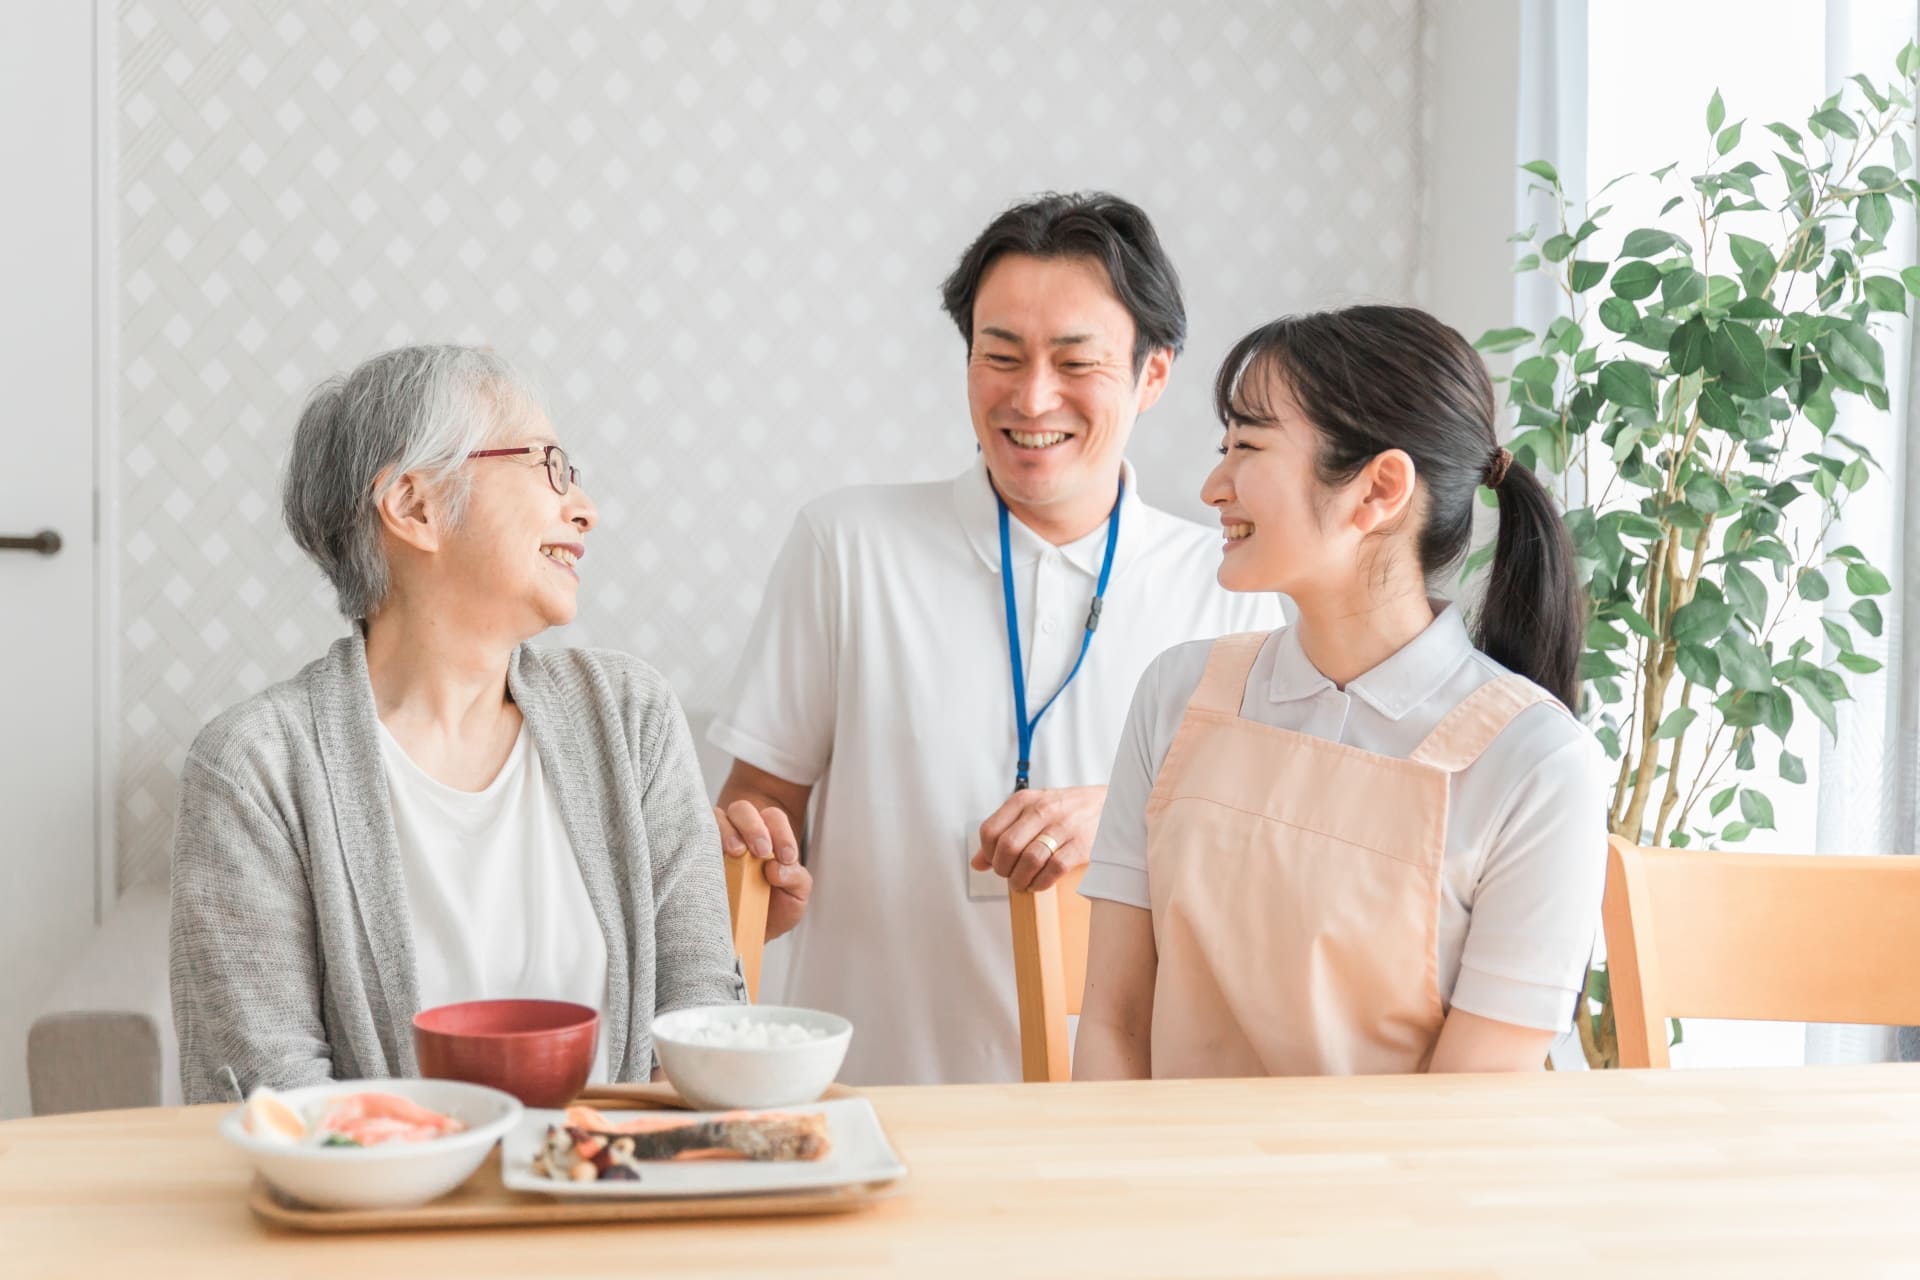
1053, 846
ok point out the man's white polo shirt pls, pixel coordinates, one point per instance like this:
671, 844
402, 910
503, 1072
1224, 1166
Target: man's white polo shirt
877, 673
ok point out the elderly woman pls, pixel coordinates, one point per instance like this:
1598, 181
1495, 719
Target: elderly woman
437, 810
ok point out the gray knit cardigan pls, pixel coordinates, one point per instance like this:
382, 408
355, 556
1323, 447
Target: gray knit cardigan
291, 954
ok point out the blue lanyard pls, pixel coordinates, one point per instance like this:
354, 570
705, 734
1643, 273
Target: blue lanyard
1025, 726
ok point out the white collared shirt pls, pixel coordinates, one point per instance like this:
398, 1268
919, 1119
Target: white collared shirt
877, 673
1525, 859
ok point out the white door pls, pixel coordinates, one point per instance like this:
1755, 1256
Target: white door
47, 602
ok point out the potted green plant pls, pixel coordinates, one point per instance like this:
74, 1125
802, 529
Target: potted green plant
1683, 406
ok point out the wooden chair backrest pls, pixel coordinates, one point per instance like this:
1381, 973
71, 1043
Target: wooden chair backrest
747, 893
1759, 936
1050, 973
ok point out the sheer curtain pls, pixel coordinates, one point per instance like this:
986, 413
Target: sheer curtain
1870, 775
1868, 790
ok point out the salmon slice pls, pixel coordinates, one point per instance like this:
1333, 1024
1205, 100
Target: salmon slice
736, 1135
373, 1118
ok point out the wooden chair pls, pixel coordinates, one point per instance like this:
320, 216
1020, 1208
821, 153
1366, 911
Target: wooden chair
1050, 972
1757, 936
747, 895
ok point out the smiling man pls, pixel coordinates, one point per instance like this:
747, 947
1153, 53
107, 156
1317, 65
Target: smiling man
940, 673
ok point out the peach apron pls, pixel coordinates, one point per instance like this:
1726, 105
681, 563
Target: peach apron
1296, 886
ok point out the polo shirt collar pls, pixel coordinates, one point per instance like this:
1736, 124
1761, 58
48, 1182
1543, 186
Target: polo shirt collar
979, 511
1393, 688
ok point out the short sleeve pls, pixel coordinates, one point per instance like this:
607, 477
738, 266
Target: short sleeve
1117, 871
1536, 906
780, 717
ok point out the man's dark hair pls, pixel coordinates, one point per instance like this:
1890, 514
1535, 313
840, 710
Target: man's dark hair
1115, 233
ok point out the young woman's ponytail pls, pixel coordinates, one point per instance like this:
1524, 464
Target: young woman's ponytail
1531, 620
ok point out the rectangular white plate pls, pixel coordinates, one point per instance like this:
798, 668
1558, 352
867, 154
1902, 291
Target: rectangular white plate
861, 1154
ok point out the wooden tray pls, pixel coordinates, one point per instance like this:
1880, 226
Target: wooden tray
482, 1201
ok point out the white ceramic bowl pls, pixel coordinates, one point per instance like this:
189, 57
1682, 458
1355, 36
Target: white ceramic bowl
393, 1175
725, 1078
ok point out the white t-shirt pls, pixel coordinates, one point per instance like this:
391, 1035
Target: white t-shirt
1525, 860
498, 906
877, 673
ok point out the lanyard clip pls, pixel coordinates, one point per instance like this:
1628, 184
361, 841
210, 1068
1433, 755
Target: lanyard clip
1093, 615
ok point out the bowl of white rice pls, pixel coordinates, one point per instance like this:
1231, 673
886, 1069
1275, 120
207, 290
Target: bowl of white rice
725, 1057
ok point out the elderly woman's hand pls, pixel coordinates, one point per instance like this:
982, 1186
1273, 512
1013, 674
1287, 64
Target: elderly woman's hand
768, 833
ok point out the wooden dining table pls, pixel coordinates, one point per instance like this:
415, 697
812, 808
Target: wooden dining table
1805, 1172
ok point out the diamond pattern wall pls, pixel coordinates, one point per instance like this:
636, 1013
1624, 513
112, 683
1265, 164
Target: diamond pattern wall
713, 230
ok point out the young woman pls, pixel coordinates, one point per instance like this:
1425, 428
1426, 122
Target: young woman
1373, 841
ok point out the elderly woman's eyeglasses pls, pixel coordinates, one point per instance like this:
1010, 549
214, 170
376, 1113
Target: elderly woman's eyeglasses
561, 474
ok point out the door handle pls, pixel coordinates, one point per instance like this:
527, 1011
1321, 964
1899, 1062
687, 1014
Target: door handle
46, 542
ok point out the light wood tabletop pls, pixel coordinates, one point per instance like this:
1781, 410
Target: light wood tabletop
1811, 1172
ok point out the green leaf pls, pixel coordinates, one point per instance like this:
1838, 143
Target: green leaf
1619, 315
1792, 767
1701, 621
1834, 120
1718, 410
1909, 60
1747, 594
1676, 723
1813, 585
1818, 703
1736, 832
1721, 799
1557, 248
1716, 113
1875, 214
1682, 288
1728, 140
1867, 614
1851, 349
1873, 94
1739, 360
1634, 281
1687, 349
1884, 293
1529, 263
1744, 663
1541, 169
1497, 340
1649, 241
1859, 663
1755, 261
1628, 384
1865, 580
1757, 809
1788, 135
1586, 274
1698, 664
1837, 635
1910, 277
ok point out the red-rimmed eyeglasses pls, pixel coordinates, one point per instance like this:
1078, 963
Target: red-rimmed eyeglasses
561, 474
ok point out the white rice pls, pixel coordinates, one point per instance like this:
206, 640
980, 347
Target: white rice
747, 1033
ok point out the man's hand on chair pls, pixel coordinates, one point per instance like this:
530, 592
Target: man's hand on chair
768, 834
1011, 843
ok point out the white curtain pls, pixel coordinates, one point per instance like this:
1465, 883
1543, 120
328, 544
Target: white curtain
1869, 800
1550, 124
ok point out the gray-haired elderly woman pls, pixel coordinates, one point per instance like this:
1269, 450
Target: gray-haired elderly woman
437, 810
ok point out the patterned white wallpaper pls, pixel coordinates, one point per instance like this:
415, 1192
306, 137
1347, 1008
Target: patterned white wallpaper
714, 230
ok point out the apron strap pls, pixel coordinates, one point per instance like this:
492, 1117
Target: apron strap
1223, 686
1470, 728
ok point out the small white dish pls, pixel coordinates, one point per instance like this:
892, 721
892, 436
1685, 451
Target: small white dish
394, 1175
738, 1077
861, 1155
